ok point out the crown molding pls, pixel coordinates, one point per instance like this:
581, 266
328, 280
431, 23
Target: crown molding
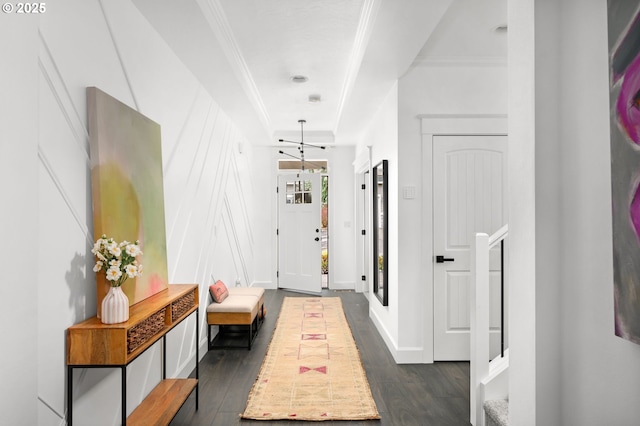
219, 24
363, 33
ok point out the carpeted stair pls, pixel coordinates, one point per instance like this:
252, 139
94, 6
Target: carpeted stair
497, 412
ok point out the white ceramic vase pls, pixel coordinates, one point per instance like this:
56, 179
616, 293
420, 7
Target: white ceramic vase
115, 307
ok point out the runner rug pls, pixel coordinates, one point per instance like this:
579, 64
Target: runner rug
312, 370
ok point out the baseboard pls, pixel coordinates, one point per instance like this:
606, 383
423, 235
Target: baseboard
267, 285
410, 355
338, 285
401, 355
342, 285
361, 287
384, 333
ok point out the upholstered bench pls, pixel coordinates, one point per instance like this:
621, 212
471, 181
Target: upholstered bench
233, 308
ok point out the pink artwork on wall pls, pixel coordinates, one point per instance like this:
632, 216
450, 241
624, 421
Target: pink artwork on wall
624, 72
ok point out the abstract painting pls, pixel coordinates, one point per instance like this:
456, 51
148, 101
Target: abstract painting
624, 102
127, 189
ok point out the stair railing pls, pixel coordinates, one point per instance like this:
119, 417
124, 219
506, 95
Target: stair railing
498, 238
480, 310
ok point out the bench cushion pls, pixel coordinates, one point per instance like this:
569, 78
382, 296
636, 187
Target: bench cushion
247, 291
235, 304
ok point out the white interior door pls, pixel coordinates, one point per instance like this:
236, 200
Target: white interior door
469, 190
299, 224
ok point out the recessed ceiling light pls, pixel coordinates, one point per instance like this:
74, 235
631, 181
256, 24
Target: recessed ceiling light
501, 29
315, 98
299, 79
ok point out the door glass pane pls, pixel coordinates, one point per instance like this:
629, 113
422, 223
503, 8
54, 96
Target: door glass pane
298, 192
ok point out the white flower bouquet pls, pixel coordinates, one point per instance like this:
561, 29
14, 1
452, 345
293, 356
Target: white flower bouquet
117, 260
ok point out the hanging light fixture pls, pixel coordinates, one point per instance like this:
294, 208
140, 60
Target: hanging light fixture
300, 144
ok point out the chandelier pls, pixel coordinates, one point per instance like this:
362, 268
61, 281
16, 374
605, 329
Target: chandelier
301, 146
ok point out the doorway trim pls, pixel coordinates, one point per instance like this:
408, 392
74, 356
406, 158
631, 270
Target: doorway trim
362, 170
443, 125
299, 212
363, 249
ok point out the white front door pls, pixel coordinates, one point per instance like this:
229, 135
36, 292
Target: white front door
469, 196
299, 224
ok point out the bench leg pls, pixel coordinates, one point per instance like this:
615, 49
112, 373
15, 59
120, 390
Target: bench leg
261, 314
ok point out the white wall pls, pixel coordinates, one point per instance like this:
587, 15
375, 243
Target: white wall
599, 370
266, 217
522, 214
342, 219
45, 159
382, 137
18, 220
548, 281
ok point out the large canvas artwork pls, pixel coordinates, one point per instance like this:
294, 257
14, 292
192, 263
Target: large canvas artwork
128, 196
624, 73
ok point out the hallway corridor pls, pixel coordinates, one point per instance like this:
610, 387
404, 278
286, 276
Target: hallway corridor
416, 394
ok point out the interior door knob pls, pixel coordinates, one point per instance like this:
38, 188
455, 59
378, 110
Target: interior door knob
317, 238
442, 259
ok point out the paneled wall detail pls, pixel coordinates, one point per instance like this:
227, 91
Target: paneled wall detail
207, 184
195, 157
168, 159
123, 65
244, 202
67, 200
240, 262
59, 92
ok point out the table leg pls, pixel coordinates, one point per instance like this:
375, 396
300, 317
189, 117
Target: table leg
124, 394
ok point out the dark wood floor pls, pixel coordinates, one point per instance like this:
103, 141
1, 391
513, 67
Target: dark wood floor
416, 394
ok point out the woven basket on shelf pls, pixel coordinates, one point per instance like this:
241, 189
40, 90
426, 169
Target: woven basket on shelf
182, 305
145, 330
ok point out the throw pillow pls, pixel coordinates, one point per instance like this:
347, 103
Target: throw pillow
218, 291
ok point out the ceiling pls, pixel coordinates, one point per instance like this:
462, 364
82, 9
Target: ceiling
245, 52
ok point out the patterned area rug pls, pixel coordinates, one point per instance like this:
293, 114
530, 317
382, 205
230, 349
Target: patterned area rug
312, 370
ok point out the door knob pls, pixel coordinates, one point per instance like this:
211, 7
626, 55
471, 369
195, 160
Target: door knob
317, 239
442, 259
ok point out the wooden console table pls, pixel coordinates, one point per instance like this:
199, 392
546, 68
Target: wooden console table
91, 344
